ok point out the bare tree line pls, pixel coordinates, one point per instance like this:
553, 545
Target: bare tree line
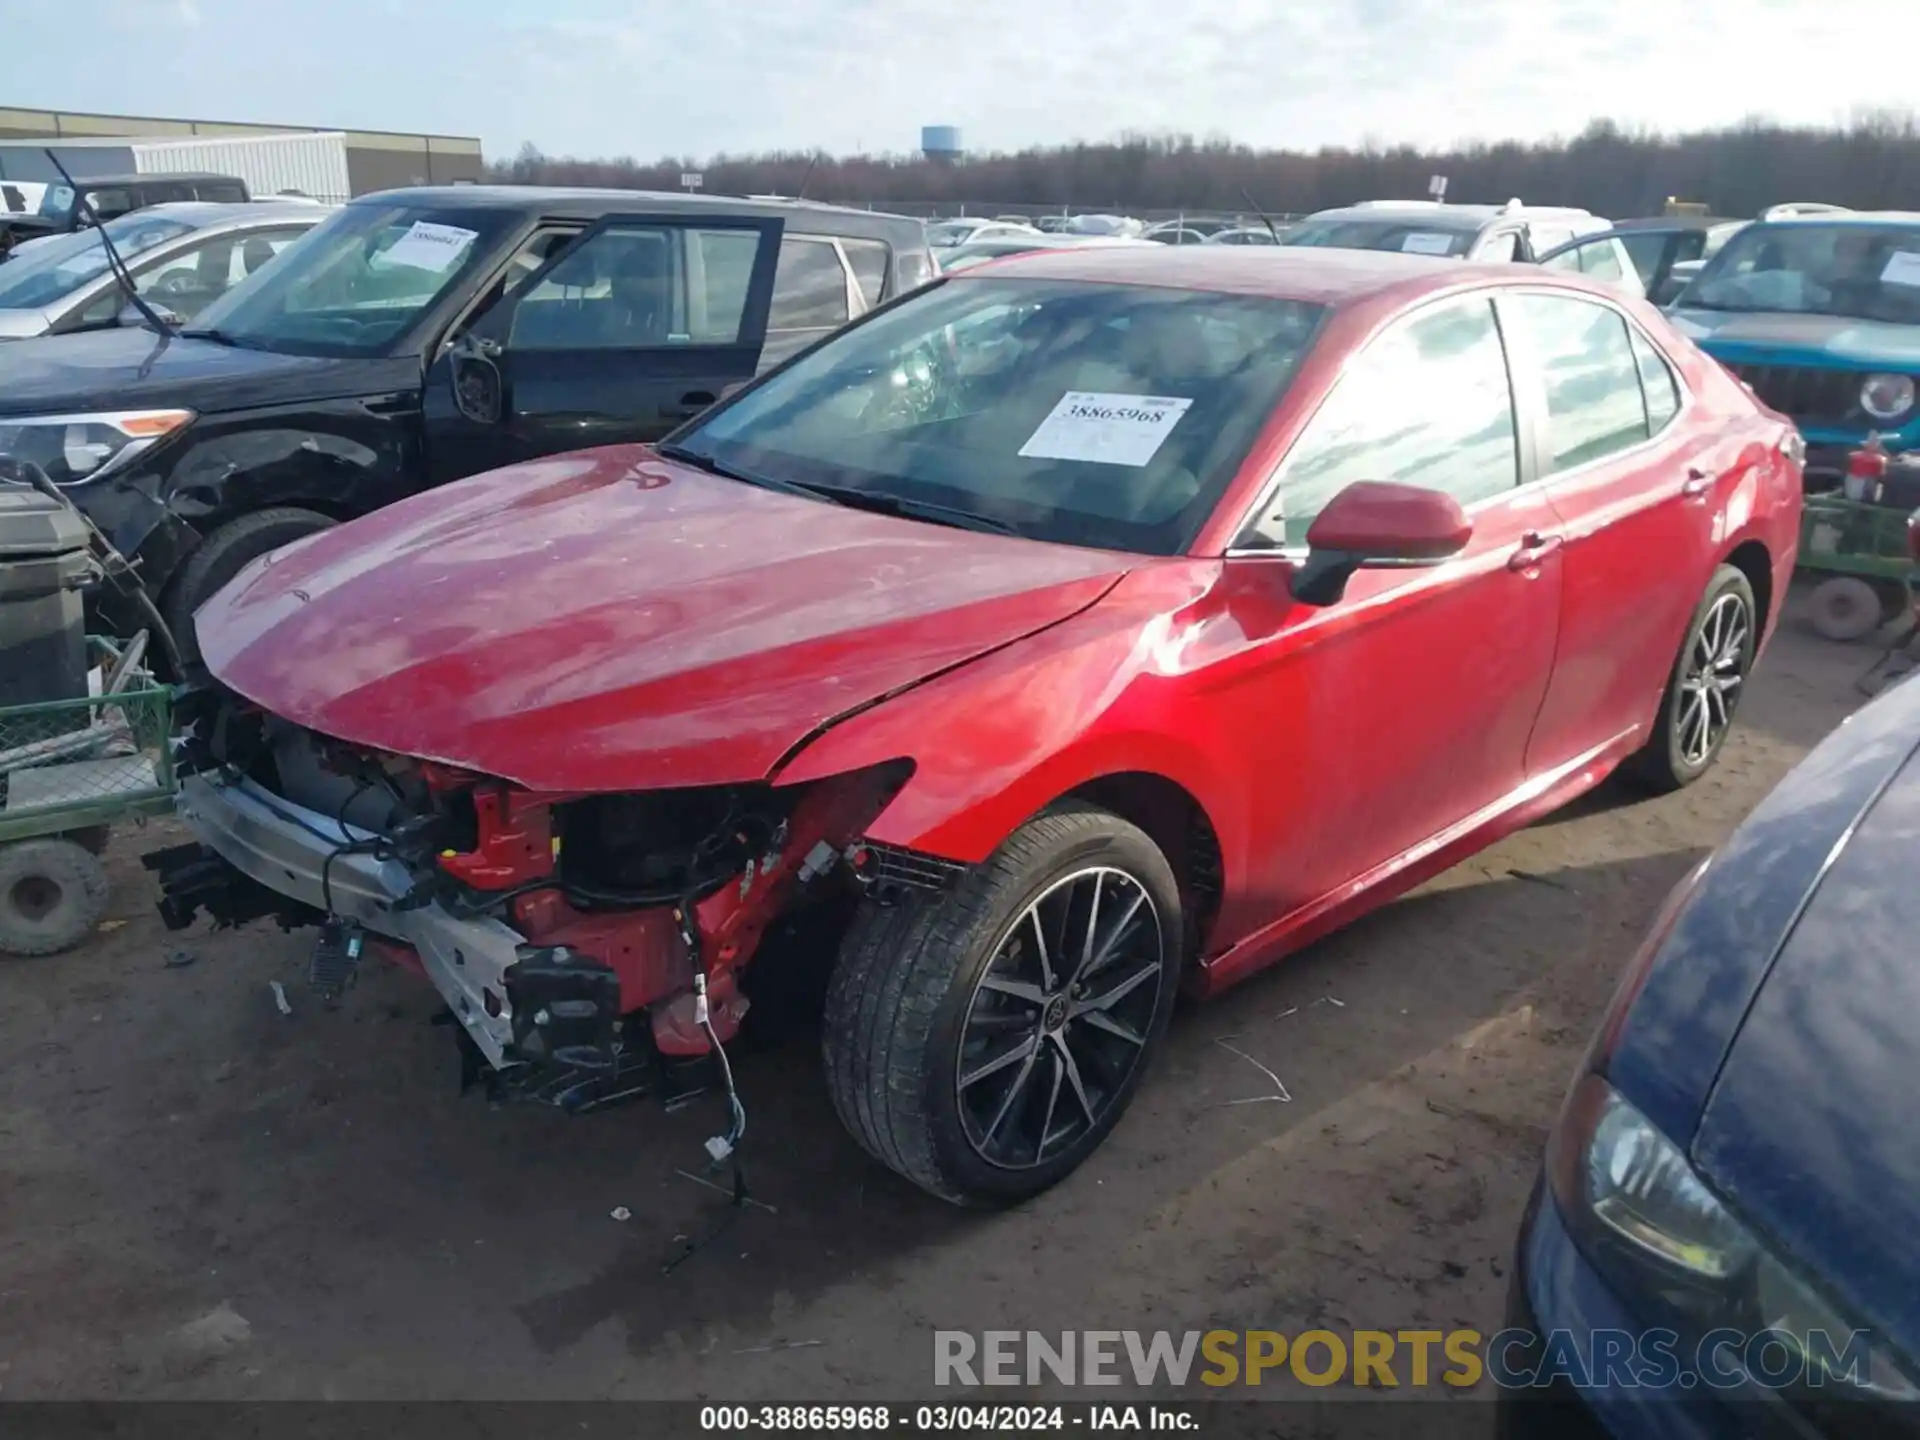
1872, 163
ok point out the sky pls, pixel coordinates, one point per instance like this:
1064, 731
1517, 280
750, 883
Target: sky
696, 78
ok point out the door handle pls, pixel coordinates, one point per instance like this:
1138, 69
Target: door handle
1698, 484
693, 402
1534, 547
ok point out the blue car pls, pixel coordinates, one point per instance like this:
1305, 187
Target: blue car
1820, 315
1725, 1240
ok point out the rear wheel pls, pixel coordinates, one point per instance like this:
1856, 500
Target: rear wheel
1705, 687
983, 1042
223, 555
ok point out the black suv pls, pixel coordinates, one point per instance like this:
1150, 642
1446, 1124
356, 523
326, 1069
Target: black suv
421, 335
109, 196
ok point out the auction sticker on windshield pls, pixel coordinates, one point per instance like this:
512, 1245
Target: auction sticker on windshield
1427, 242
427, 246
1903, 268
1105, 429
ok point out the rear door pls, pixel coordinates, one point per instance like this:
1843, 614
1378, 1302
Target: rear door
639, 325
1635, 486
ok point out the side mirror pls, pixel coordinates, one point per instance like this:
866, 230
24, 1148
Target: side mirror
1372, 523
478, 391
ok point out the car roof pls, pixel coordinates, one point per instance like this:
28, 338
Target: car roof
1676, 222
1280, 272
1440, 216
157, 177
590, 204
201, 214
1848, 217
1450, 217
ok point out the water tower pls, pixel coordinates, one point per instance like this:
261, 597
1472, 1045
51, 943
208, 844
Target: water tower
941, 142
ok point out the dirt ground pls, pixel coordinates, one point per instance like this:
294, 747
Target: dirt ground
202, 1197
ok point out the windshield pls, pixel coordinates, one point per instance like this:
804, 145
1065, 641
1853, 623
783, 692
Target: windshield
1415, 237
952, 232
56, 267
355, 283
1863, 271
1101, 415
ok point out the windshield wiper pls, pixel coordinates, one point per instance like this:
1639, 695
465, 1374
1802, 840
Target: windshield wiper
847, 495
702, 461
884, 504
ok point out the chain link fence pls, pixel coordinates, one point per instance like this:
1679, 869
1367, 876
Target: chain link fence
69, 763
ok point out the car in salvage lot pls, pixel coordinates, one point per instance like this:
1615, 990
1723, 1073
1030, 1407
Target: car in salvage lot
420, 335
1733, 1185
1820, 314
181, 257
1202, 600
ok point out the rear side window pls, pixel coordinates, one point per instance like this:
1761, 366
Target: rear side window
1427, 403
809, 298
1548, 237
1505, 246
1657, 384
1591, 377
1599, 260
1647, 250
109, 203
870, 260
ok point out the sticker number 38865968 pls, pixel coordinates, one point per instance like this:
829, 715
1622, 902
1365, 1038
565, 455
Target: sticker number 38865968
1105, 429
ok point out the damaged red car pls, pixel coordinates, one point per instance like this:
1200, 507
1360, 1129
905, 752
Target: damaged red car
1074, 632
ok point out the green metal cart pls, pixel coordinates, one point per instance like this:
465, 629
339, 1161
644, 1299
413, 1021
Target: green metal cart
70, 769
1862, 551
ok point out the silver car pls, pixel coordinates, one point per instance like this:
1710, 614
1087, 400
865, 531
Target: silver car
181, 257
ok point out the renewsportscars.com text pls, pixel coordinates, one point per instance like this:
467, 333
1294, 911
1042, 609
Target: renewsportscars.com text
1391, 1359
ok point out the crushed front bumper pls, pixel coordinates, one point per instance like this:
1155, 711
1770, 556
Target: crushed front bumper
296, 852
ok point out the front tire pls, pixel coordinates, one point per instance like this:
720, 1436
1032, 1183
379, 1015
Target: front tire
983, 1042
223, 555
1704, 690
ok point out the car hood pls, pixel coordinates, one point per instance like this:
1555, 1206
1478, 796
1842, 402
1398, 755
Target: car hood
1791, 338
1808, 1130
22, 324
608, 620
129, 367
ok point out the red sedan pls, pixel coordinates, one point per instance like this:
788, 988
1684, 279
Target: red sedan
1072, 631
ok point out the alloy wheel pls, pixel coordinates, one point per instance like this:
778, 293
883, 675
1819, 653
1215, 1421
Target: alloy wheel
1060, 1018
1710, 684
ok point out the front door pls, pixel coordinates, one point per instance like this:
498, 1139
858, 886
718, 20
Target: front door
1637, 495
1376, 723
637, 326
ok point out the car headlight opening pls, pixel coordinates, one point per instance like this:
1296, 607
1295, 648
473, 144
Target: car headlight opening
1645, 1218
75, 448
1887, 397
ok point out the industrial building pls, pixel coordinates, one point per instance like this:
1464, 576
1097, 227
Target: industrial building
376, 159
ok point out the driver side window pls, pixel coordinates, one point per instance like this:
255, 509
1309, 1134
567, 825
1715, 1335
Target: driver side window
1427, 403
640, 286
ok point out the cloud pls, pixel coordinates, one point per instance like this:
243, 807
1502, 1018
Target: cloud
669, 77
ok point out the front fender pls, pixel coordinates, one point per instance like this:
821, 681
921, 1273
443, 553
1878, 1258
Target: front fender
996, 741
347, 456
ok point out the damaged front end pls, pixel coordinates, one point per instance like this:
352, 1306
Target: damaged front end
573, 936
